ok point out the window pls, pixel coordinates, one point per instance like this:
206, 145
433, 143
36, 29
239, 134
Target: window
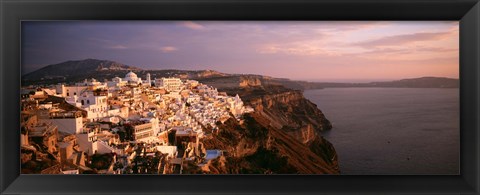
88, 101
74, 93
83, 102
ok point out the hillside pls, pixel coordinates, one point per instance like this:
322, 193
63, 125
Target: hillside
75, 70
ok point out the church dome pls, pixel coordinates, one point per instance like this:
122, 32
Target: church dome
131, 76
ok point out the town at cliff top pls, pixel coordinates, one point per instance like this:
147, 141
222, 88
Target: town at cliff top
171, 125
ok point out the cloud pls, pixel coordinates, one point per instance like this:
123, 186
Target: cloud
348, 26
435, 49
192, 25
168, 49
385, 51
402, 39
402, 54
406, 50
118, 47
299, 48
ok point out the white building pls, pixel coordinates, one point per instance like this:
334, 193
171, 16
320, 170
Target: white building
70, 91
236, 105
169, 84
144, 133
117, 82
87, 142
148, 82
68, 122
155, 124
79, 89
95, 105
132, 78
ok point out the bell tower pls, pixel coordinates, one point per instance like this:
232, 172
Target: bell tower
149, 80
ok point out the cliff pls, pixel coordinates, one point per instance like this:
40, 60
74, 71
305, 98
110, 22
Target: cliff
281, 136
255, 147
286, 109
291, 112
246, 81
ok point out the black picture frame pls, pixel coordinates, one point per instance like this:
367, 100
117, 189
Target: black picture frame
14, 11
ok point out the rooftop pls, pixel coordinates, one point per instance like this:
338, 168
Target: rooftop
41, 129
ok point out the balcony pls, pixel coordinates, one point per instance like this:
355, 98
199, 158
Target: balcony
71, 114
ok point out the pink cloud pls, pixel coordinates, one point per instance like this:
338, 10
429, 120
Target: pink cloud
168, 49
406, 50
344, 26
192, 25
298, 49
118, 47
435, 49
402, 39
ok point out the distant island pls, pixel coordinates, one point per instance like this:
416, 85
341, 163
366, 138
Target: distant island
423, 82
72, 71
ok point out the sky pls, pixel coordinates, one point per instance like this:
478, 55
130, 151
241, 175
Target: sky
299, 50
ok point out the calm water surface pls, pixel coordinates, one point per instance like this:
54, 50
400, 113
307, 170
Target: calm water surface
392, 130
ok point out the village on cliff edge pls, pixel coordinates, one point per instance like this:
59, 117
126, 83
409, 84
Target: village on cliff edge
122, 126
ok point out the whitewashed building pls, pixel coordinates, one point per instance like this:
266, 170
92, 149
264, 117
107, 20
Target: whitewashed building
169, 84
68, 122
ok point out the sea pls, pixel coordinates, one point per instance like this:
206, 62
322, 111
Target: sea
392, 131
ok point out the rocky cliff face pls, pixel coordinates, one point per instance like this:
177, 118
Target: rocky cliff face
246, 81
255, 147
281, 136
291, 112
286, 109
